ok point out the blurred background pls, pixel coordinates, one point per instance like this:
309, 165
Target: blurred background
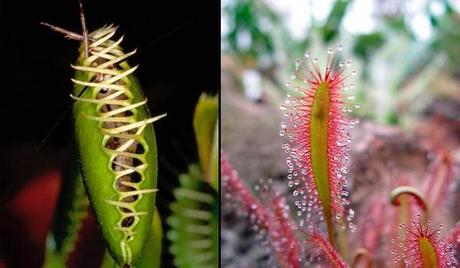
408, 89
178, 54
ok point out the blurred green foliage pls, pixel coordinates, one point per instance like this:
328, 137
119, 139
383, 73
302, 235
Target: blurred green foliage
396, 64
247, 22
331, 27
366, 44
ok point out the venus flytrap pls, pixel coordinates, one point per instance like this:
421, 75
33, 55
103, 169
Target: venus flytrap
113, 130
194, 221
205, 123
115, 141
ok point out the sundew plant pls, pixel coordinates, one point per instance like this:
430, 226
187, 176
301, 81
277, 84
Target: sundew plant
312, 222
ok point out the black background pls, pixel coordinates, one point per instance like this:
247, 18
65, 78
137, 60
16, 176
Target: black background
178, 52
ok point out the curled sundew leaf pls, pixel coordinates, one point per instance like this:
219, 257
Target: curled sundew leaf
410, 203
397, 194
204, 123
423, 247
70, 212
151, 254
318, 132
271, 217
194, 222
362, 256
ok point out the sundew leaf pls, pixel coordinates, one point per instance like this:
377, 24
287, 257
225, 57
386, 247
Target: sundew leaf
194, 222
318, 130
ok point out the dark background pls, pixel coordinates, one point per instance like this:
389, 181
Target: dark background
178, 53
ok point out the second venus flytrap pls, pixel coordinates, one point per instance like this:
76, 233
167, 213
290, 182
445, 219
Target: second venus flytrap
318, 132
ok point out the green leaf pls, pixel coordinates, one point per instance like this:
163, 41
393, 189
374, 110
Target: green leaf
331, 27
366, 44
194, 223
204, 123
68, 218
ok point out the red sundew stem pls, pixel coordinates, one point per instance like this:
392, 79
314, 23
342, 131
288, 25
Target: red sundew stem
326, 247
372, 225
234, 186
281, 235
286, 225
454, 236
438, 180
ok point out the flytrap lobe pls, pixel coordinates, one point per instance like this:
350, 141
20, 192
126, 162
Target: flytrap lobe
318, 131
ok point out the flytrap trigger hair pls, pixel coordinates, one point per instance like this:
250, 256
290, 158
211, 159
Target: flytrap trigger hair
115, 140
